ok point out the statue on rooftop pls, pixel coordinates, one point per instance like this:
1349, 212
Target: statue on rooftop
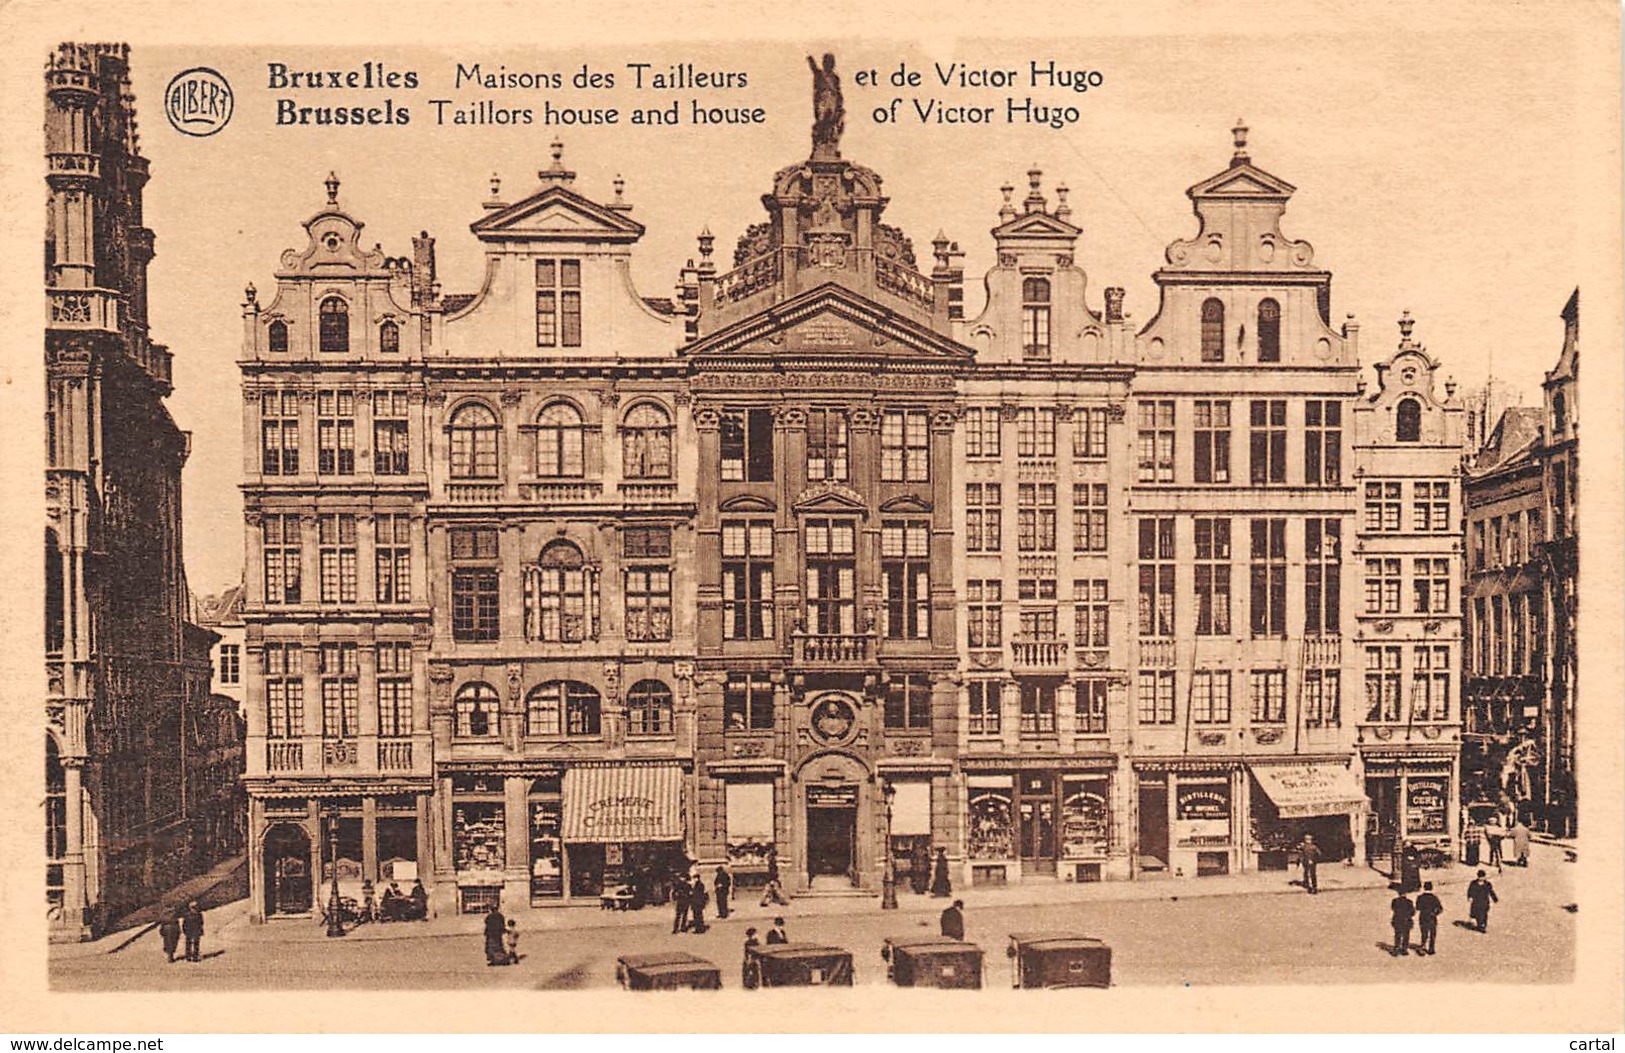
829, 115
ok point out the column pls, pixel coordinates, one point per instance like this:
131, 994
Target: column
369, 839
318, 838
256, 860
516, 850
426, 853
75, 900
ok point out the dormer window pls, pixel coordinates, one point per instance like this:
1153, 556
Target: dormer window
1269, 331
1212, 330
335, 325
1408, 421
277, 337
558, 303
1035, 318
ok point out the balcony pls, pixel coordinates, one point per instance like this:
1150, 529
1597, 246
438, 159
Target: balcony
1156, 653
83, 309
574, 491
394, 754
1322, 652
73, 164
648, 493
1028, 655
473, 493
1030, 470
284, 756
340, 753
846, 649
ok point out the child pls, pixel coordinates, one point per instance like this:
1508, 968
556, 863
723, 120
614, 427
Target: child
510, 942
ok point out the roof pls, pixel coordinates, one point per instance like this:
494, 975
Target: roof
660, 304
224, 607
1514, 437
454, 303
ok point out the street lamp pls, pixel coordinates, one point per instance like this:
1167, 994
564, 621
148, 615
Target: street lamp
888, 881
335, 921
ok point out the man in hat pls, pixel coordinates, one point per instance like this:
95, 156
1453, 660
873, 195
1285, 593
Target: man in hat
192, 929
777, 934
1480, 894
953, 921
1428, 909
1309, 856
1404, 912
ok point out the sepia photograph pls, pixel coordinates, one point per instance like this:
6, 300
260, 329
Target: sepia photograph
849, 505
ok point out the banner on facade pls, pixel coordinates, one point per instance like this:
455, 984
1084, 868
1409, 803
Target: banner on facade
1303, 790
618, 804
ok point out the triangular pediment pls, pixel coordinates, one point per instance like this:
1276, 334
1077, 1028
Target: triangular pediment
557, 213
1036, 225
831, 498
831, 320
1243, 181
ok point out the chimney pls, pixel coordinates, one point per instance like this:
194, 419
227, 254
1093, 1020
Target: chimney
423, 277
1114, 305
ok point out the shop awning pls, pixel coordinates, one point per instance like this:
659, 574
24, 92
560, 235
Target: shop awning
623, 803
1302, 790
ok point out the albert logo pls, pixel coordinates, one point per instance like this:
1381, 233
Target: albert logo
198, 101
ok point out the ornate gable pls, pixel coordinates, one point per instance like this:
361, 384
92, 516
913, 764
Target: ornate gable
557, 213
830, 320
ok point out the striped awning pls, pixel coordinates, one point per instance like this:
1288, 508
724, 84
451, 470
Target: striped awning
1303, 790
623, 803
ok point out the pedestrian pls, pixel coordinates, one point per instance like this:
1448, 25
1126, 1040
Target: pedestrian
698, 897
510, 943
1309, 856
777, 934
1428, 909
1520, 843
749, 971
169, 930
919, 868
940, 885
1403, 912
680, 893
418, 902
495, 928
953, 921
1410, 868
1493, 833
1480, 894
772, 864
389, 908
723, 882
192, 929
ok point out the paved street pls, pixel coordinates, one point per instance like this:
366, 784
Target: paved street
1253, 928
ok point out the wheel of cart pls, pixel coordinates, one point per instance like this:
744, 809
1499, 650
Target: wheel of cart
667, 971
913, 961
1058, 959
802, 965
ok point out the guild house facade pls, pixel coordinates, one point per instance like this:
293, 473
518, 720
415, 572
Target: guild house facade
554, 587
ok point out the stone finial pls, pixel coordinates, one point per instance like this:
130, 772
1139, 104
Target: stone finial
1034, 201
1114, 304
1062, 209
251, 295
707, 242
332, 184
1238, 135
1007, 211
496, 186
1406, 323
1450, 388
556, 174
939, 248
620, 189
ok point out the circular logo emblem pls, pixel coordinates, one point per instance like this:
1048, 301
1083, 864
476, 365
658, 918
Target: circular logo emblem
198, 101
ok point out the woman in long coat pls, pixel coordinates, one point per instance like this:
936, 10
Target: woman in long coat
495, 926
940, 885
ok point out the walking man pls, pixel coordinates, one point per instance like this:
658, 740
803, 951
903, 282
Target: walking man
1309, 856
192, 928
1428, 909
953, 921
750, 972
170, 932
698, 897
723, 882
1480, 894
1403, 913
680, 894
777, 934
1493, 833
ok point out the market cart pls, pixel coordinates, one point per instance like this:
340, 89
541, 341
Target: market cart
667, 971
802, 965
1054, 959
932, 962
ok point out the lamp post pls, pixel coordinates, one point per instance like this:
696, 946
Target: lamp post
335, 922
888, 881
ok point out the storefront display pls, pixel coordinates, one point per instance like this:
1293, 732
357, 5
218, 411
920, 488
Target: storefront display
1202, 816
1085, 819
749, 814
1426, 802
479, 832
546, 850
991, 832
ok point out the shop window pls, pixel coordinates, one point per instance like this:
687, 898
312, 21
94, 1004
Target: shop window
749, 815
1269, 331
560, 442
646, 441
476, 711
649, 709
473, 432
989, 833
1085, 820
479, 837
1212, 330
335, 325
1408, 421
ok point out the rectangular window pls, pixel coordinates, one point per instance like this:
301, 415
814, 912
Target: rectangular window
1382, 506
1323, 575
231, 663
1035, 517
1477, 550
984, 707
1382, 685
1038, 624
982, 432
1269, 577
832, 571
1516, 616
1156, 696
1430, 683
392, 548
648, 602
747, 702
1322, 442
984, 518
282, 547
1514, 538
1481, 620
1092, 628
1035, 432
284, 691
336, 539
1322, 698
747, 579
1156, 441
1090, 705
1267, 441
1035, 588
1534, 528
1498, 636
335, 432
1497, 546
1430, 510
1037, 707
747, 446
905, 563
984, 614
1267, 688
908, 701
1213, 577
558, 303
1210, 696
1156, 557
905, 446
1089, 433
1088, 517
1212, 441
474, 585
1383, 582
341, 686
279, 433
1431, 585
394, 690
390, 433
827, 458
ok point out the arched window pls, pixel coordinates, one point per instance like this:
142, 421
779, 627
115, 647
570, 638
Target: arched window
582, 709
646, 443
335, 332
1035, 318
1560, 415
1269, 331
476, 711
56, 811
559, 442
1212, 330
648, 708
1408, 421
561, 600
389, 338
474, 442
544, 709
567, 707
277, 336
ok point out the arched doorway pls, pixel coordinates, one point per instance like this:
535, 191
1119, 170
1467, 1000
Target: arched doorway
287, 870
836, 822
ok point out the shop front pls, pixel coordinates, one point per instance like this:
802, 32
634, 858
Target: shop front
1187, 819
623, 825
1319, 799
1037, 822
1413, 801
